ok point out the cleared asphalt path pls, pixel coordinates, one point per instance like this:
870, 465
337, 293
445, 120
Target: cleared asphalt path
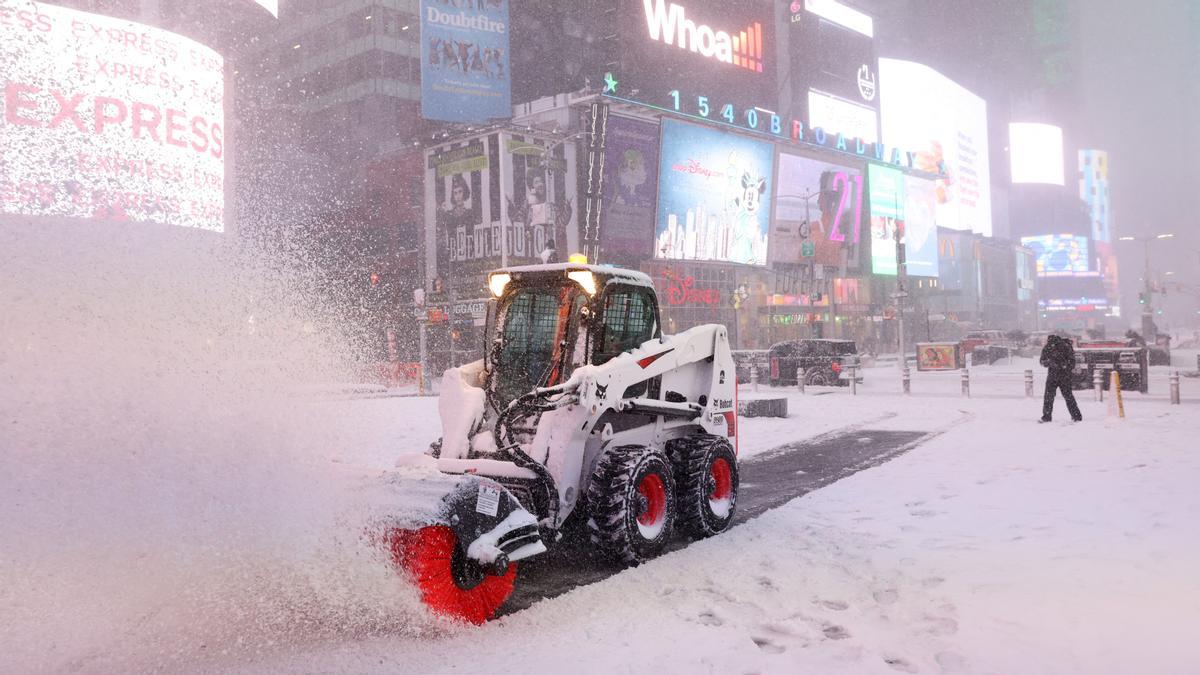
767, 481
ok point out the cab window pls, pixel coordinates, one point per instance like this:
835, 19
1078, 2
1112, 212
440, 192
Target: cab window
629, 318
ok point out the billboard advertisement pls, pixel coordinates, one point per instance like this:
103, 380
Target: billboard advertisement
885, 190
834, 71
464, 61
713, 195
538, 180
106, 119
630, 191
1093, 190
920, 229
1060, 255
946, 126
495, 200
818, 213
939, 356
697, 48
1036, 153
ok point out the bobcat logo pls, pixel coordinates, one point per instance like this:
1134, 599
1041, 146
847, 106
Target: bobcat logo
601, 390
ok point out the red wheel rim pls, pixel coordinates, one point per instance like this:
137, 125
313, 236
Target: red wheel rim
655, 493
722, 477
427, 555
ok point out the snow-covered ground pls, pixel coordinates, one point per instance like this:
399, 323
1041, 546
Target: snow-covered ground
999, 546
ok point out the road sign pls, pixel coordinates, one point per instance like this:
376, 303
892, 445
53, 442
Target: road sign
808, 249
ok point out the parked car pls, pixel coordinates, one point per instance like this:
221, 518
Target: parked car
976, 338
820, 362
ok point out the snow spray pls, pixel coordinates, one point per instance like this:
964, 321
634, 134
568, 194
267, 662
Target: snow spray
166, 496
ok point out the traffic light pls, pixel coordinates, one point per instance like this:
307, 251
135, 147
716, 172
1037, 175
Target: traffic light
1141, 298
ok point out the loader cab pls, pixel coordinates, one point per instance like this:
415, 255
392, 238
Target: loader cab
548, 320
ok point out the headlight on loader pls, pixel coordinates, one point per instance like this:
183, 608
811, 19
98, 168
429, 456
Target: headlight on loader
497, 282
585, 279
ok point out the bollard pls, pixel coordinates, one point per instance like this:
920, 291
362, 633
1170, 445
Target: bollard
1174, 380
906, 380
853, 381
1029, 384
1098, 384
754, 377
800, 379
1116, 405
966, 383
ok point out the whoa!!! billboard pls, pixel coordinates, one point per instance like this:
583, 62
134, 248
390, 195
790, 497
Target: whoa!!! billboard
697, 47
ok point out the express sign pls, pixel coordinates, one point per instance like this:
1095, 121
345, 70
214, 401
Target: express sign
107, 119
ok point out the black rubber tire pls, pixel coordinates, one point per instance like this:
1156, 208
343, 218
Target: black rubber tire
695, 458
816, 378
613, 503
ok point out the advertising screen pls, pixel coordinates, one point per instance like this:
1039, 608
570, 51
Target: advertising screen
839, 116
497, 200
1036, 153
713, 195
818, 212
885, 188
1060, 255
834, 72
630, 191
920, 230
271, 6
106, 119
1093, 190
938, 356
723, 49
946, 126
464, 61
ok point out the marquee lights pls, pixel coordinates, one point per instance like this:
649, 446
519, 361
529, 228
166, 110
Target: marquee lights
756, 119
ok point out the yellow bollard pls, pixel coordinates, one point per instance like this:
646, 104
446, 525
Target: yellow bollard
1116, 403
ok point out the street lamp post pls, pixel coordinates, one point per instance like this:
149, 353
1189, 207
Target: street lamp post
1148, 331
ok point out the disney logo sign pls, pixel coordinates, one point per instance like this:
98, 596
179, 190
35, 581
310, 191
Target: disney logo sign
681, 291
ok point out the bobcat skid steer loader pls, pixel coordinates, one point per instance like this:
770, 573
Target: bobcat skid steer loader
582, 411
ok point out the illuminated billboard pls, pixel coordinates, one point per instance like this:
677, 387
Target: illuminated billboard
713, 195
839, 116
1036, 153
1060, 255
1093, 190
818, 213
904, 203
834, 74
885, 190
946, 126
630, 191
464, 61
106, 119
920, 229
271, 6
714, 48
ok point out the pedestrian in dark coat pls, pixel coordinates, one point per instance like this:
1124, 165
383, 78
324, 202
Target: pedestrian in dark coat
1058, 356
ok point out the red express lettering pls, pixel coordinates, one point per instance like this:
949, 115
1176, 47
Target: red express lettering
26, 105
26, 19
132, 40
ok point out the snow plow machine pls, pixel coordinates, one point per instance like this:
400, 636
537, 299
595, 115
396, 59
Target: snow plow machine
582, 417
